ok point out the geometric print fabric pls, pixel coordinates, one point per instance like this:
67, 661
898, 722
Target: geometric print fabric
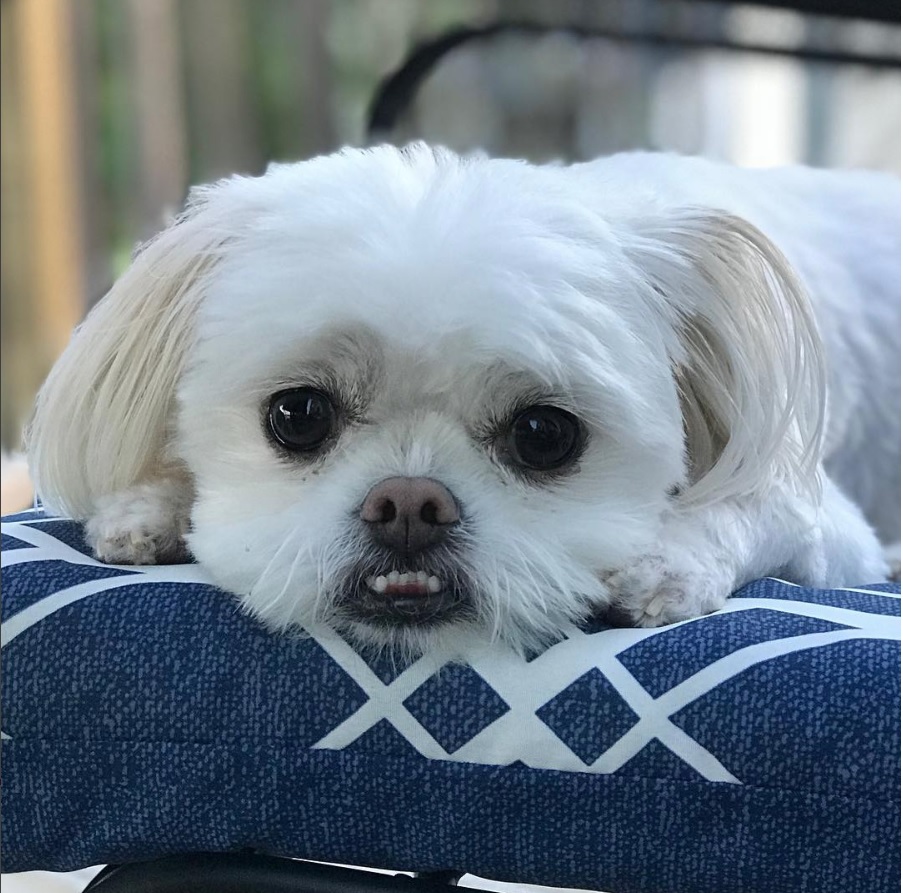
591, 703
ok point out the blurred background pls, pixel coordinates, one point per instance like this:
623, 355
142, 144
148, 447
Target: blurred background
111, 109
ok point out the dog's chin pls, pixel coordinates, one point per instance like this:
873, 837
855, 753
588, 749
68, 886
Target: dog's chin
405, 629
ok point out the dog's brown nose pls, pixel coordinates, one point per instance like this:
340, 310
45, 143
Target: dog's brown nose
409, 514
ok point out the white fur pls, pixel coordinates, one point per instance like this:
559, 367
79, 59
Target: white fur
683, 310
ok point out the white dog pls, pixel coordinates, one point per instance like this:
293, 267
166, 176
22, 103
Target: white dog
409, 394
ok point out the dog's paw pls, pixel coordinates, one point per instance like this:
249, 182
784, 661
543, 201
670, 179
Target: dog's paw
656, 591
141, 525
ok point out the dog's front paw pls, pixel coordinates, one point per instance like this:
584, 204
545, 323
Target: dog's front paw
656, 591
141, 525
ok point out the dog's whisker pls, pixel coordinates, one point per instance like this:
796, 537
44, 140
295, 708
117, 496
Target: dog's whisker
289, 579
289, 536
275, 602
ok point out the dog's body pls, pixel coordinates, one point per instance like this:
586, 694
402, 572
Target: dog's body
840, 232
413, 395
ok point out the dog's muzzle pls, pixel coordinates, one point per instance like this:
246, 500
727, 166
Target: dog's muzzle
412, 519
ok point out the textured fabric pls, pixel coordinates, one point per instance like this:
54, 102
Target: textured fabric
756, 749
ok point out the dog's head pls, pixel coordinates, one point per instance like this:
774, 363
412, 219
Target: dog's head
417, 393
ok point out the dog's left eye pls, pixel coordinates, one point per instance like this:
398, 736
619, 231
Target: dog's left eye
544, 438
301, 419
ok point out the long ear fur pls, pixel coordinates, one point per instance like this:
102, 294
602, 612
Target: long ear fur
748, 359
103, 415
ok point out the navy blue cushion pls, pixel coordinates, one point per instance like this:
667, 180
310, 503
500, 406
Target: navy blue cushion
756, 749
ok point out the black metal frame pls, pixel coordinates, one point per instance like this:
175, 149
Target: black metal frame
868, 10
244, 872
396, 91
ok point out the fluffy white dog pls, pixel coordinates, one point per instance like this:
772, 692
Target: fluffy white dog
409, 394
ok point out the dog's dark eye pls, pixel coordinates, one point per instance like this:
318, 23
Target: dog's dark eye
301, 419
543, 438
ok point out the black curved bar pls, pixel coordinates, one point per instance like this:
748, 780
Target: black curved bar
255, 873
396, 91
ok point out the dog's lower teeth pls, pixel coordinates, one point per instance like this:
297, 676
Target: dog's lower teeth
411, 581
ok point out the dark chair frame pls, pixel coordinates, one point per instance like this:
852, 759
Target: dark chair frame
244, 872
397, 90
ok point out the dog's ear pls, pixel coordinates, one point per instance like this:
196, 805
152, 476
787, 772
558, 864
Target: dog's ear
103, 415
747, 355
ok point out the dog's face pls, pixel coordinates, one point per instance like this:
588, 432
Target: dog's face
437, 414
417, 395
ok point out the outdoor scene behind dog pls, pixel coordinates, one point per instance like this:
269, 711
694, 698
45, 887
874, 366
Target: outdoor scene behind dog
425, 397
111, 110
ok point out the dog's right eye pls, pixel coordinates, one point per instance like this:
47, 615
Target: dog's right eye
301, 419
544, 438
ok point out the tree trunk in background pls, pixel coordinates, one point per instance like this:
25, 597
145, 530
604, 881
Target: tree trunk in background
156, 88
311, 54
16, 308
94, 202
41, 218
223, 115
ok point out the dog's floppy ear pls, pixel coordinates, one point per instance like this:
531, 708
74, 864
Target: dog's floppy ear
747, 357
102, 417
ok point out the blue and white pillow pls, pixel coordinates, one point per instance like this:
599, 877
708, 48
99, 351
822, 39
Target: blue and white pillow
753, 750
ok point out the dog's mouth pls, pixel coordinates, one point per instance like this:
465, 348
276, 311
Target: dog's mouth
406, 597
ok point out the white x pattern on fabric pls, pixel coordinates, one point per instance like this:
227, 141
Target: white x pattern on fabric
519, 733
